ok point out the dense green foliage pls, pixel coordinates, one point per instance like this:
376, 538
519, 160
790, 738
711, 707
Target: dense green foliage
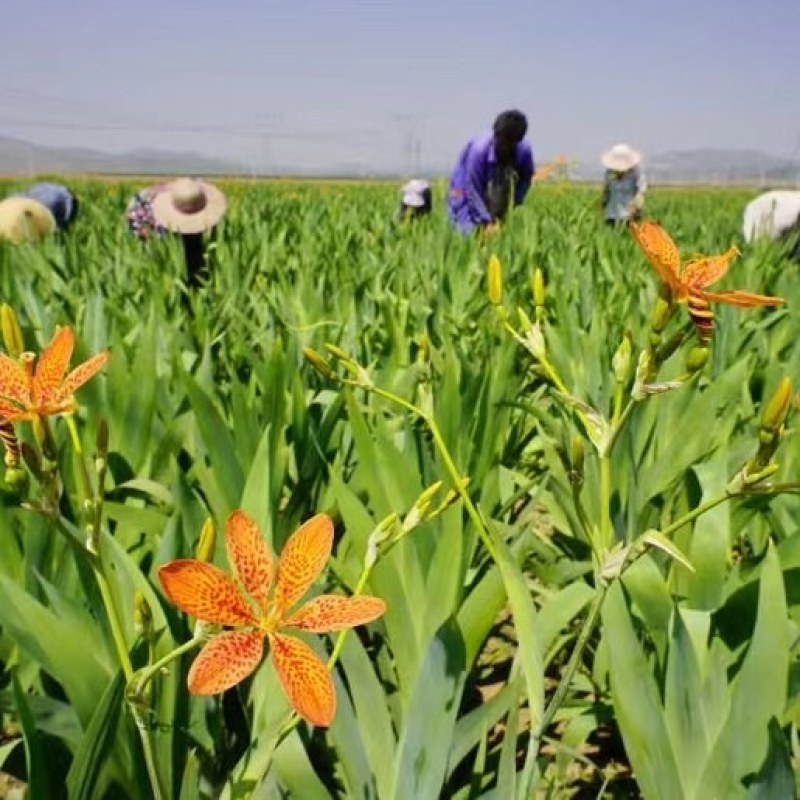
684, 681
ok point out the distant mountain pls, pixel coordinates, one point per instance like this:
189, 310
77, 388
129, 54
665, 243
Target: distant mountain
18, 157
710, 165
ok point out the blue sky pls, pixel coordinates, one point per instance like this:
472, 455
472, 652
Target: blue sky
316, 82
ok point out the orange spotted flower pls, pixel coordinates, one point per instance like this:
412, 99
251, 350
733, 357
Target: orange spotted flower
27, 393
687, 284
210, 595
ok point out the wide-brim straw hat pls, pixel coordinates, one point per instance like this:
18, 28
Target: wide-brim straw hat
621, 158
23, 220
187, 205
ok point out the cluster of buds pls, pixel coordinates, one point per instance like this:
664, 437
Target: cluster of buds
358, 374
390, 530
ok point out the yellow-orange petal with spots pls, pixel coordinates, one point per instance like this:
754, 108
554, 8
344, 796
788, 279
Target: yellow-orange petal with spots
81, 374
10, 412
13, 380
332, 612
705, 270
52, 365
249, 556
743, 299
226, 660
302, 560
205, 592
306, 682
660, 251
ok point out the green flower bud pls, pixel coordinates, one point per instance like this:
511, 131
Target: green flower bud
622, 360
778, 406
494, 280
207, 542
538, 288
12, 334
318, 362
142, 617
661, 315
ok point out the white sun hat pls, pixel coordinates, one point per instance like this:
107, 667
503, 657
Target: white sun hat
23, 219
621, 158
187, 205
414, 192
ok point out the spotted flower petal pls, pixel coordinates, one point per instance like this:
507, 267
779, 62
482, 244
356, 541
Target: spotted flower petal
305, 679
660, 251
249, 556
52, 365
302, 560
705, 270
205, 592
14, 382
225, 661
743, 299
332, 612
80, 375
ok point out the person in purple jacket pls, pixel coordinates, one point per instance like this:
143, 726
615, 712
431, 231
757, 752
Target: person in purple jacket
491, 170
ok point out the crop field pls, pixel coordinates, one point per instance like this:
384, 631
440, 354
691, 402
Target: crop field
567, 526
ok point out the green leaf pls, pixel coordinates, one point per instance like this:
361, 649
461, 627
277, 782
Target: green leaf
637, 705
35, 758
426, 739
775, 779
758, 693
98, 740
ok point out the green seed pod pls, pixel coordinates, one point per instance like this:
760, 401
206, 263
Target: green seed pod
778, 406
17, 480
494, 279
12, 333
207, 542
697, 359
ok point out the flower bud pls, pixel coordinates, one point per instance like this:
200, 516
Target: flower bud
778, 406
538, 288
661, 315
17, 480
142, 617
12, 334
207, 541
337, 351
494, 279
622, 360
318, 362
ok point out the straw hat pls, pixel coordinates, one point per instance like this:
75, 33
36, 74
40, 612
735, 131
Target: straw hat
188, 206
23, 219
621, 158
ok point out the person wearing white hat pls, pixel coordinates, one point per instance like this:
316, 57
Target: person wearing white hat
624, 185
416, 200
23, 219
189, 207
775, 215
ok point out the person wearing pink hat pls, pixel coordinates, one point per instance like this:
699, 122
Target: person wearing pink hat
188, 207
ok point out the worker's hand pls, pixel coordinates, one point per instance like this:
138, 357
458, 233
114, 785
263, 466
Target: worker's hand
491, 228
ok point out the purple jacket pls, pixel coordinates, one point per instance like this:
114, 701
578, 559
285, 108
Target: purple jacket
469, 183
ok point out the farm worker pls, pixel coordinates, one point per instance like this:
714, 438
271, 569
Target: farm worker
190, 207
416, 199
139, 213
58, 199
775, 215
24, 220
489, 168
624, 184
